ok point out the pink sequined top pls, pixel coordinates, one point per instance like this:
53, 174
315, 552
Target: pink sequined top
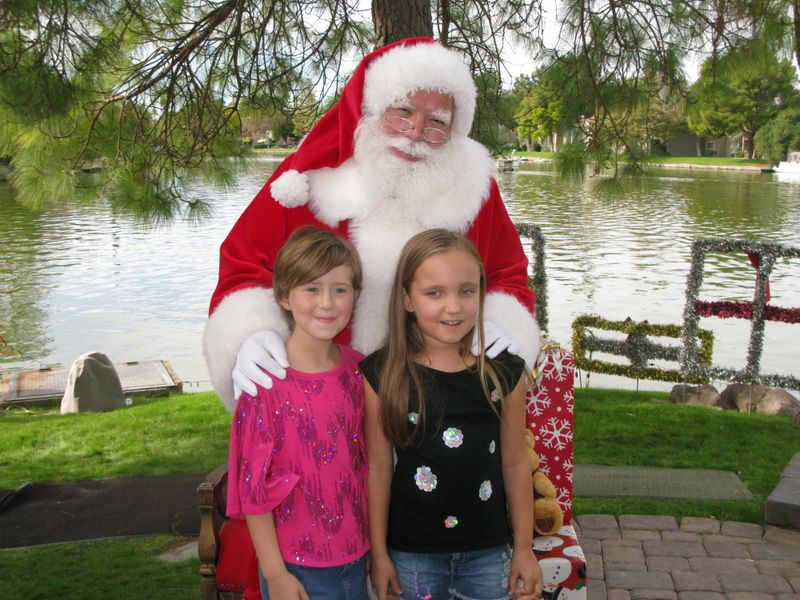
298, 451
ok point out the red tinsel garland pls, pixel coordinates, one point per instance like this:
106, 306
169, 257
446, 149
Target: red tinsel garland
729, 309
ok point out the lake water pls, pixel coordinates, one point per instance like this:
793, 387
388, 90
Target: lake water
78, 278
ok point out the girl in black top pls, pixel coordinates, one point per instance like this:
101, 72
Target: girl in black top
450, 493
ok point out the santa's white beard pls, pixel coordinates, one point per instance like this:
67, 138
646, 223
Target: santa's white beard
397, 186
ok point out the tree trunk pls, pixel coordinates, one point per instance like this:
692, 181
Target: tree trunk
399, 19
796, 21
747, 144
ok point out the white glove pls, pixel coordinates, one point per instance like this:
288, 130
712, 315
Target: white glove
495, 340
262, 351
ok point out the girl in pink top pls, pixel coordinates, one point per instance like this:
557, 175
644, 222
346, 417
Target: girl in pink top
297, 468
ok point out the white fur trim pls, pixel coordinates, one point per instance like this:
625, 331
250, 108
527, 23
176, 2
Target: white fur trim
290, 189
407, 69
516, 322
239, 315
337, 194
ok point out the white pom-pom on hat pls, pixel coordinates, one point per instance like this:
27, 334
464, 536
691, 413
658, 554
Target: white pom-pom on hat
291, 189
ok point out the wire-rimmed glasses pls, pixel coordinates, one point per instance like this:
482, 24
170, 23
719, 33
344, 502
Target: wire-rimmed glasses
432, 135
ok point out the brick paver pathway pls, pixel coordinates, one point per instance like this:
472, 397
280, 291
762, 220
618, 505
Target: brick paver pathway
657, 558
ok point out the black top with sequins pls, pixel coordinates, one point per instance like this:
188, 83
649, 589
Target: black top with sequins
447, 491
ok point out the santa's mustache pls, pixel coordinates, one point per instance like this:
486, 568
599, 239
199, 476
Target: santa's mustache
409, 147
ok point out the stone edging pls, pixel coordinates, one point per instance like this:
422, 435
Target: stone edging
782, 507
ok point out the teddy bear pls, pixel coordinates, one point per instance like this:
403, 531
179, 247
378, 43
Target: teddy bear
548, 516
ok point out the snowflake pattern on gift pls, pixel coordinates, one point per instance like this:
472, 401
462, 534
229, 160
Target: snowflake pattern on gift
560, 367
550, 409
569, 468
563, 498
544, 467
556, 433
536, 401
425, 479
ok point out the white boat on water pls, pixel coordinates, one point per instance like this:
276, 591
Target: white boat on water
506, 164
790, 166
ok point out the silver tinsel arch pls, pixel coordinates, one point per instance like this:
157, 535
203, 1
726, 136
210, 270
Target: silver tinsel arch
763, 257
538, 279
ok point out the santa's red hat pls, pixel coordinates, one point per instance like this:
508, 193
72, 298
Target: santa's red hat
383, 77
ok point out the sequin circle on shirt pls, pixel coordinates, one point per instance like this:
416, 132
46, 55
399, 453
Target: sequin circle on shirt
495, 396
426, 479
486, 490
453, 437
451, 522
492, 446
413, 417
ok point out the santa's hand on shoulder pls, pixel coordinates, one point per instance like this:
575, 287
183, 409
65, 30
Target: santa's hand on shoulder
495, 341
261, 355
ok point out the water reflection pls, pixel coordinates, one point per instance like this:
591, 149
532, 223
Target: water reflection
78, 278
629, 256
23, 279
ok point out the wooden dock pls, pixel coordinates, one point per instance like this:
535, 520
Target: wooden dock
40, 386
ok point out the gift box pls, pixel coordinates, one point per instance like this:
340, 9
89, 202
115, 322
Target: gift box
563, 565
550, 416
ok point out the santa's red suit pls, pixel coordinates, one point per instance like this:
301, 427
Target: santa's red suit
324, 184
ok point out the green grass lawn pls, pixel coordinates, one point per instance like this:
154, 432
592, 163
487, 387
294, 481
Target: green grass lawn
184, 433
99, 570
671, 160
615, 427
188, 433
710, 160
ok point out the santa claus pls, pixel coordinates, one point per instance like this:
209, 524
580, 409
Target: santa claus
391, 158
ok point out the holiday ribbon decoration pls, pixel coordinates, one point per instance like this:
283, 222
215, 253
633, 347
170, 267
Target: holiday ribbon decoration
731, 309
762, 257
538, 281
636, 347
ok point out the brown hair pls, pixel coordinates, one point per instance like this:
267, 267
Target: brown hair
404, 339
308, 253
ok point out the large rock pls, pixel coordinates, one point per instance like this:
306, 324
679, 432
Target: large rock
92, 385
698, 395
759, 398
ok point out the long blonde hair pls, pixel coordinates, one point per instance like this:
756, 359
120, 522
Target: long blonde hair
404, 339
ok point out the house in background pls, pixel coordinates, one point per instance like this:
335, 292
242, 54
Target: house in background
683, 143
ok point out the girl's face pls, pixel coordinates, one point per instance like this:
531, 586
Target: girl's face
445, 297
322, 308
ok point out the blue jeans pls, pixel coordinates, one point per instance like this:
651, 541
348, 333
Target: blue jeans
345, 582
476, 575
